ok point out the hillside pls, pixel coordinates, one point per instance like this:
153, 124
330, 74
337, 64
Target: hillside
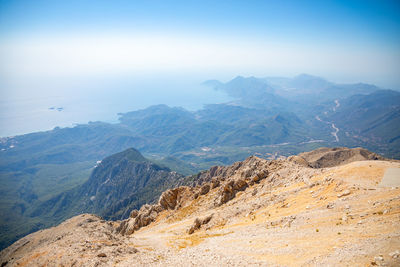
269, 117
117, 184
255, 212
372, 119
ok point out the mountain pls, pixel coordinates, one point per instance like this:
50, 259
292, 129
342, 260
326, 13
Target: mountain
255, 212
118, 184
372, 120
305, 87
269, 117
252, 92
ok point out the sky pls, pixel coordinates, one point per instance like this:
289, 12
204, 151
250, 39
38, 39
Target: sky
341, 40
63, 48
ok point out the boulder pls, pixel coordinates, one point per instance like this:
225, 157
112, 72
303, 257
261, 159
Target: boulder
205, 189
198, 223
134, 213
168, 198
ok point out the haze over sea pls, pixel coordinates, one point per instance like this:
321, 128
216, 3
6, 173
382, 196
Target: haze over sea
97, 58
101, 101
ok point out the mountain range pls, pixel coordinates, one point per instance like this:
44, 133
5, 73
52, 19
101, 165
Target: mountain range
327, 207
268, 117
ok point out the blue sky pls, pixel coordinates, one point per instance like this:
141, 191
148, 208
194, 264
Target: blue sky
347, 41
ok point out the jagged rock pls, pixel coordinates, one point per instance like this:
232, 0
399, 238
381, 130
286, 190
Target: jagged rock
229, 189
240, 184
259, 176
146, 215
170, 198
255, 191
225, 194
134, 213
205, 189
130, 227
198, 223
215, 183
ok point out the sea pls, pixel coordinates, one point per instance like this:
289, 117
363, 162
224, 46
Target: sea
37, 109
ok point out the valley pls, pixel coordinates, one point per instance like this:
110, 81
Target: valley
255, 212
265, 119
199, 133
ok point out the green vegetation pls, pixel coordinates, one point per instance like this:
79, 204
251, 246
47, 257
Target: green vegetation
270, 117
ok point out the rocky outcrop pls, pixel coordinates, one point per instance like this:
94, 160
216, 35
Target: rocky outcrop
147, 214
261, 202
329, 157
198, 222
299, 160
227, 181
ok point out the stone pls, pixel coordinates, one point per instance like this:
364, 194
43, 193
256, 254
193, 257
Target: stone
386, 211
102, 255
215, 183
205, 189
134, 213
395, 254
225, 193
344, 193
255, 191
198, 223
330, 206
168, 199
240, 185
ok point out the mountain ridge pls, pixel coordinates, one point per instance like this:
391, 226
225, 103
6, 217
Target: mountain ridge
252, 212
35, 168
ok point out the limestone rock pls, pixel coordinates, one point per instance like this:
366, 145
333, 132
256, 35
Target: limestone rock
344, 193
198, 223
134, 213
205, 189
168, 199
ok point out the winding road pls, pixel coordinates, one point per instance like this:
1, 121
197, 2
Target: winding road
336, 129
335, 132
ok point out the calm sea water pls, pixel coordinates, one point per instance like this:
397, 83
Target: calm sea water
32, 112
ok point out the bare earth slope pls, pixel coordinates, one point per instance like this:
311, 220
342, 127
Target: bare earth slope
255, 212
329, 157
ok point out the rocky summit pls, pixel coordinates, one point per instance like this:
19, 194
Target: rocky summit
329, 207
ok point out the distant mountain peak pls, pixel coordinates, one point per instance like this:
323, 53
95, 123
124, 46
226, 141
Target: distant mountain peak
130, 154
308, 76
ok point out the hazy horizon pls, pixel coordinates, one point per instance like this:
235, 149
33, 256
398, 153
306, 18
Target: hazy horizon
99, 54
